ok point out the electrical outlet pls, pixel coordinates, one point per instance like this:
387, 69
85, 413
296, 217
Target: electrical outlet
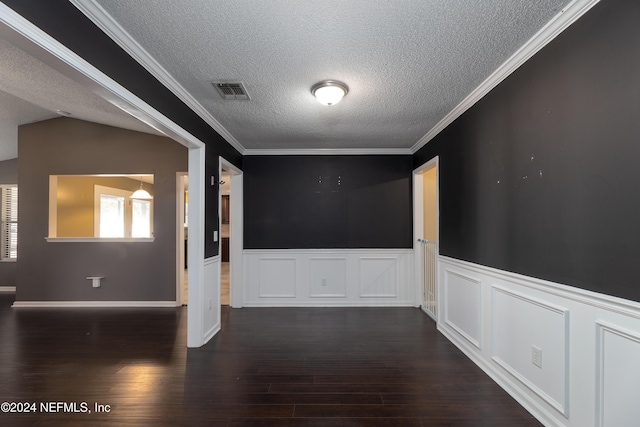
323, 281
215, 236
536, 356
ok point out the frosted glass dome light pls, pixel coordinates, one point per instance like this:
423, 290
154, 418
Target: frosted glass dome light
329, 92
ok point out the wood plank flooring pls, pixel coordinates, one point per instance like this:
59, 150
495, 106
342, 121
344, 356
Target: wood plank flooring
266, 367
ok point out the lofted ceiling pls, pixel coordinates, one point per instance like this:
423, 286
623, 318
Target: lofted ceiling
31, 91
408, 63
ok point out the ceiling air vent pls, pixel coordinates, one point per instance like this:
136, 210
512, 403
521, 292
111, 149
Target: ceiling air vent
231, 91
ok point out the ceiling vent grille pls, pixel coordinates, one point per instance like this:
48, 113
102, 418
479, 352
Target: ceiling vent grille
231, 91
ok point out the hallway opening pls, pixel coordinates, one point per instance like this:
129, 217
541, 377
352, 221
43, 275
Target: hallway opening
426, 242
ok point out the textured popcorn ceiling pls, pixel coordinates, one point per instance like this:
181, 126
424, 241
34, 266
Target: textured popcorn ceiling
31, 91
407, 62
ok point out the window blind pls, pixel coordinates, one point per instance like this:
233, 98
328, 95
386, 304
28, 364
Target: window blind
9, 249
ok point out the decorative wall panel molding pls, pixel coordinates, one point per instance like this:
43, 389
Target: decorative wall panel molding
519, 325
210, 298
463, 305
277, 278
589, 366
378, 277
618, 385
328, 277
595, 299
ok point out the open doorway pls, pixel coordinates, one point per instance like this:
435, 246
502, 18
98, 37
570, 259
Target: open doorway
225, 235
182, 237
231, 239
426, 221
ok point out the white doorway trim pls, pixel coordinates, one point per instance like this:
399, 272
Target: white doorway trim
236, 238
28, 37
180, 237
418, 223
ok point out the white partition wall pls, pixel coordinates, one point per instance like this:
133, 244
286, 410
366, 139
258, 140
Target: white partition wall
210, 303
570, 356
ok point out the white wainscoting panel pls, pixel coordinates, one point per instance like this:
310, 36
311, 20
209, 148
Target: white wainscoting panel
378, 277
519, 323
590, 343
328, 277
211, 298
463, 305
277, 278
618, 380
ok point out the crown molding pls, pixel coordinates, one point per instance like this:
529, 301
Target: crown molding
329, 152
105, 22
567, 16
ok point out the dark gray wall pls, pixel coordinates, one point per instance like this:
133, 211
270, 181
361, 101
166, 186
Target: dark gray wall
8, 175
57, 271
540, 177
299, 202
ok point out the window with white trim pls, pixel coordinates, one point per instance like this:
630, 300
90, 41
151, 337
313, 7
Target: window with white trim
9, 249
117, 215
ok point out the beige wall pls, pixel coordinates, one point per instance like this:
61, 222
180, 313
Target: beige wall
430, 198
75, 201
133, 271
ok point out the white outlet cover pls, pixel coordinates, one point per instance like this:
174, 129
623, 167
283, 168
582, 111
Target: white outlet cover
536, 356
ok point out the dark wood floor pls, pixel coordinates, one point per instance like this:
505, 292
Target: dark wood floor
267, 367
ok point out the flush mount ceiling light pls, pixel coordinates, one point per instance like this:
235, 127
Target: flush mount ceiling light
329, 92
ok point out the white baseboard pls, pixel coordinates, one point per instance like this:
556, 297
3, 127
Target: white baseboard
94, 304
211, 332
7, 288
333, 304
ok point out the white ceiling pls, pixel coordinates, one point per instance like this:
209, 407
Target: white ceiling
407, 63
31, 91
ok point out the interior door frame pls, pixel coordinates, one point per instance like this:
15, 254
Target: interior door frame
180, 255
236, 238
418, 226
